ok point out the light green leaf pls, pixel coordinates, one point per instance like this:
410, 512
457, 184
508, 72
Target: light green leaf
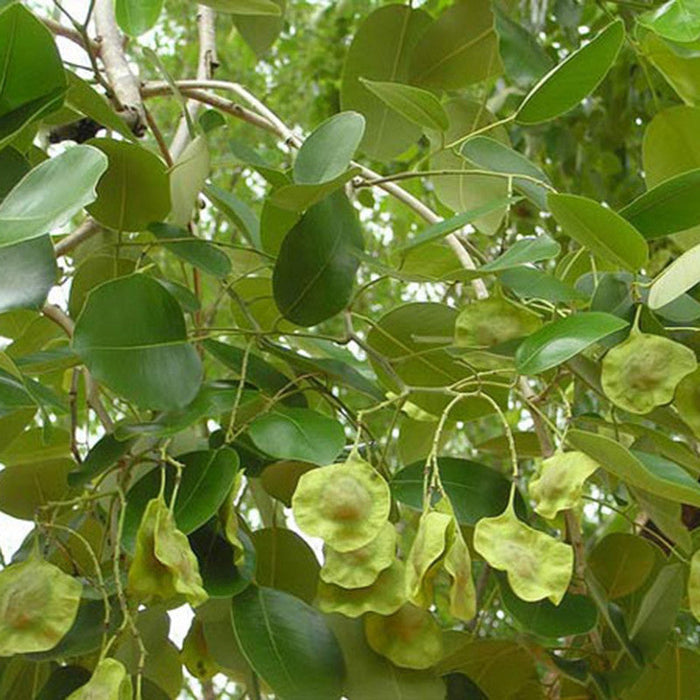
559, 341
458, 49
131, 335
137, 16
574, 78
680, 276
187, 177
327, 151
418, 106
244, 7
694, 585
642, 469
260, 31
293, 650
677, 20
50, 194
381, 50
600, 230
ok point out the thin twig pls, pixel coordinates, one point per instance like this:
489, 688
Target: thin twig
86, 230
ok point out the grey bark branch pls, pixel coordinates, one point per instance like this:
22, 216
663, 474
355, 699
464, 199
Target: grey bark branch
208, 62
124, 83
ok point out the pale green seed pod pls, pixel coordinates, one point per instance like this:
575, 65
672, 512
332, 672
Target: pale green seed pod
488, 322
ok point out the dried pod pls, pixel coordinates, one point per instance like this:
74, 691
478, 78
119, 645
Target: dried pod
694, 585
109, 681
643, 371
559, 482
385, 596
361, 567
409, 638
345, 504
164, 566
489, 322
38, 605
428, 547
538, 566
687, 400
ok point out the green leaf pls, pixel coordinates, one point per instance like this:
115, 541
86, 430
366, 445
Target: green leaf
196, 251
244, 7
293, 650
381, 51
674, 674
490, 154
28, 49
187, 177
669, 207
315, 270
574, 78
326, 153
442, 228
134, 191
680, 276
475, 491
257, 30
418, 106
13, 167
27, 273
92, 272
526, 250
642, 469
136, 17
530, 283
50, 194
103, 454
600, 230
559, 341
458, 49
298, 434
576, 614
677, 20
297, 198
621, 563
131, 335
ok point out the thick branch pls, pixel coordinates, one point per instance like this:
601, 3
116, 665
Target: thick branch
124, 83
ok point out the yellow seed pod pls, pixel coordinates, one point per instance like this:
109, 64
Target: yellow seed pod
559, 482
409, 638
428, 547
38, 605
360, 567
538, 566
345, 504
458, 564
385, 596
109, 681
687, 400
164, 566
489, 322
694, 585
643, 371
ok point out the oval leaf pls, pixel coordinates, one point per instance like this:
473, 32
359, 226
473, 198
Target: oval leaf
680, 276
137, 16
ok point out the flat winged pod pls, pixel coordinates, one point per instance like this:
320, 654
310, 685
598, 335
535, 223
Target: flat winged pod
345, 504
559, 482
409, 638
229, 518
458, 564
38, 605
538, 566
428, 546
360, 567
687, 400
164, 566
385, 596
489, 322
694, 585
643, 371
109, 681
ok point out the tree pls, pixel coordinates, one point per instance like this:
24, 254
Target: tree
415, 284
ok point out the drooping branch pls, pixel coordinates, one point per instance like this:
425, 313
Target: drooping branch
124, 83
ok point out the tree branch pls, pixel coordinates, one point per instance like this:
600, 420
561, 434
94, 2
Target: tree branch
124, 83
71, 34
86, 230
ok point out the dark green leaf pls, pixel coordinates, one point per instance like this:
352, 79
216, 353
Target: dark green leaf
104, 453
27, 273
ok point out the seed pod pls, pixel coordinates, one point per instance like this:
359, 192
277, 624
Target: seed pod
164, 566
643, 371
196, 655
489, 322
345, 504
109, 681
428, 547
694, 585
38, 605
409, 638
458, 564
229, 518
538, 566
559, 482
385, 596
687, 400
361, 567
